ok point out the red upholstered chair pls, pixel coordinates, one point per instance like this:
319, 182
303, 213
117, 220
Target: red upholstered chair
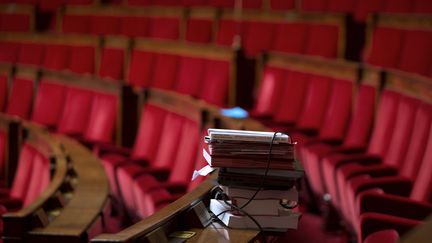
76, 111
258, 37
291, 37
214, 88
323, 40
146, 185
39, 178
56, 57
80, 2
140, 2
20, 97
166, 2
422, 6
145, 146
3, 141
82, 59
282, 4
164, 71
195, 2
199, 30
3, 91
102, 120
341, 6
105, 25
269, 92
76, 24
362, 9
15, 22
31, 53
160, 166
134, 26
112, 63
9, 51
416, 52
48, 104
164, 28
227, 29
398, 6
190, 75
381, 51
355, 140
140, 70
378, 143
222, 3
13, 198
313, 5
383, 236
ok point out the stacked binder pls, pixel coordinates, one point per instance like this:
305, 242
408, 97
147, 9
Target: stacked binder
247, 172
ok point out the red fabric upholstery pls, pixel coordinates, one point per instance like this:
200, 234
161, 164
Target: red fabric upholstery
363, 8
102, 120
140, 68
82, 59
190, 75
199, 30
270, 91
323, 40
104, 25
291, 37
397, 6
39, 178
165, 71
9, 51
383, 52
214, 88
57, 57
164, 28
20, 98
282, 4
3, 141
112, 63
76, 111
258, 37
49, 102
416, 52
226, 31
422, 6
14, 22
23, 173
313, 5
134, 26
31, 53
341, 6
76, 24
384, 236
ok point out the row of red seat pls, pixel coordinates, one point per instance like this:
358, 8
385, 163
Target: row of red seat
353, 152
89, 115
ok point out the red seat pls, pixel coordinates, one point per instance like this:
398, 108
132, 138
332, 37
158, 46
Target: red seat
383, 52
422, 6
314, 5
3, 91
362, 9
282, 4
82, 59
140, 2
105, 25
226, 31
9, 51
112, 63
164, 71
199, 30
134, 26
177, 183
56, 57
76, 111
76, 24
164, 28
39, 178
258, 37
102, 120
323, 40
416, 52
291, 37
48, 104
214, 88
31, 53
398, 6
15, 22
20, 98
341, 6
140, 69
190, 75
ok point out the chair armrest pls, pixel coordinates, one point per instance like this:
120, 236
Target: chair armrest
393, 205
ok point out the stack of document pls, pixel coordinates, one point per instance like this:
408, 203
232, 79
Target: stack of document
247, 165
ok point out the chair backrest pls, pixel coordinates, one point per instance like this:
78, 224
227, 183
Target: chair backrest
165, 71
140, 70
20, 97
149, 132
323, 40
134, 26
164, 28
199, 30
214, 88
39, 178
186, 153
190, 75
112, 63
416, 52
3, 91
31, 53
362, 117
56, 57
258, 37
76, 111
104, 25
291, 37
168, 144
23, 173
9, 51
82, 59
384, 122
49, 103
381, 51
102, 120
3, 141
